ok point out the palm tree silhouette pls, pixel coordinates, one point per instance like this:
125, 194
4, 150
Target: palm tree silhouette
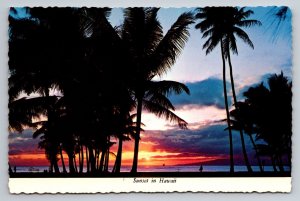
235, 21
242, 119
153, 54
221, 24
272, 118
74, 50
125, 130
212, 27
32, 67
37, 65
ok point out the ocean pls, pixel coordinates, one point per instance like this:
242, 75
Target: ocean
208, 168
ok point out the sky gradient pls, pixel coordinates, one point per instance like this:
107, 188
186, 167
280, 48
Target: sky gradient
205, 139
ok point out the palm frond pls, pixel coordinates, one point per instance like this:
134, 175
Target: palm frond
39, 131
201, 13
153, 32
243, 35
22, 111
171, 45
161, 100
207, 33
160, 111
244, 14
248, 23
167, 87
212, 42
229, 45
232, 44
204, 25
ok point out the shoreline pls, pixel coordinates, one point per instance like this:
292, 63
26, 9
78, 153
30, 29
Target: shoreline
149, 174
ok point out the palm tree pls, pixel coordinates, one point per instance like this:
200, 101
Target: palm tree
221, 24
237, 18
243, 120
106, 84
152, 54
37, 65
212, 26
32, 67
272, 118
126, 130
79, 54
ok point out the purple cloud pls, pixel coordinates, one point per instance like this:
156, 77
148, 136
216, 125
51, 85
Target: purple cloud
209, 141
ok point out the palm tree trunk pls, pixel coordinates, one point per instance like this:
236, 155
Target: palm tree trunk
62, 160
107, 155
106, 161
53, 148
227, 111
71, 163
87, 159
280, 163
273, 163
51, 167
55, 165
97, 158
75, 164
256, 153
79, 157
102, 160
237, 108
137, 136
117, 166
92, 160
82, 159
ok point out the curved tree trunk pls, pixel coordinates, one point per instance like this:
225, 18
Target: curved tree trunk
106, 161
87, 159
62, 160
98, 158
79, 158
75, 164
55, 165
137, 136
117, 166
52, 139
102, 160
107, 155
273, 163
92, 160
82, 159
280, 163
236, 106
71, 164
256, 153
227, 111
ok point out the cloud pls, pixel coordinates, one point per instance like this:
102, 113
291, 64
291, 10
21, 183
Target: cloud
23, 143
209, 141
208, 92
263, 79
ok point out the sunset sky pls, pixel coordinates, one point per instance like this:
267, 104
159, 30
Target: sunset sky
205, 139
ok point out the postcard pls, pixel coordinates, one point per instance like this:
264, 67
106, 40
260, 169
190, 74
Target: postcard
150, 99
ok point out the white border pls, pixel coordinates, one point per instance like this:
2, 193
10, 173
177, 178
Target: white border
121, 185
4, 4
